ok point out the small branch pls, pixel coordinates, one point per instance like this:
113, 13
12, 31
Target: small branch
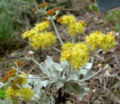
56, 49
35, 62
19, 71
117, 60
35, 78
57, 33
83, 80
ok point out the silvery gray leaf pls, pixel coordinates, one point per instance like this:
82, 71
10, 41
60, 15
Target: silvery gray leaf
2, 84
70, 87
73, 77
58, 67
86, 74
88, 65
59, 85
83, 71
6, 102
65, 64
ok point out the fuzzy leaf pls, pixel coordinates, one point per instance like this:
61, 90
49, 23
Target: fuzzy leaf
6, 102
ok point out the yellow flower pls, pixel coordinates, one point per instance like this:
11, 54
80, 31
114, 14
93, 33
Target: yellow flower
75, 28
92, 40
67, 46
107, 41
10, 93
80, 55
21, 79
26, 93
83, 23
38, 37
77, 55
100, 40
42, 26
42, 40
65, 55
67, 19
28, 34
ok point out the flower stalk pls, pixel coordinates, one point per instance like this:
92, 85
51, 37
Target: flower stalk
56, 49
57, 33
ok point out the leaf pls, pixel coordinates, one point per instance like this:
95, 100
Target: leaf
88, 66
51, 69
73, 77
59, 85
74, 87
2, 93
6, 102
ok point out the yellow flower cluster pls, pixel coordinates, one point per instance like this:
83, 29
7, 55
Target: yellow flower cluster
16, 89
42, 40
107, 41
11, 93
67, 19
21, 79
42, 26
73, 27
38, 36
25, 93
100, 40
93, 38
76, 54
67, 46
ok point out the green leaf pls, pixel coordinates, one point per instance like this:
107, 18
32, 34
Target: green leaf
2, 93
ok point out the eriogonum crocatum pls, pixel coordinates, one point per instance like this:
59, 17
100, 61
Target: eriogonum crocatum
42, 26
25, 93
67, 19
73, 27
76, 54
39, 37
18, 88
100, 40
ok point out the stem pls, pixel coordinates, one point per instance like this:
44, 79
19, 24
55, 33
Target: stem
90, 76
56, 49
73, 39
57, 33
117, 60
19, 71
35, 62
35, 78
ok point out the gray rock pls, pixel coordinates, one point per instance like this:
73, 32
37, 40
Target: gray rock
105, 5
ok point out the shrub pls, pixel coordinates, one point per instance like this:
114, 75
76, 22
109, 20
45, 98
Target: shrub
57, 81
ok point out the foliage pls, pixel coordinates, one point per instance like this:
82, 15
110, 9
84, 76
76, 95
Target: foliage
57, 77
113, 18
11, 16
2, 93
